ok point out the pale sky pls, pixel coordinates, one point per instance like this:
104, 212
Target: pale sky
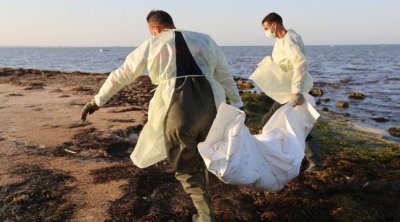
229, 22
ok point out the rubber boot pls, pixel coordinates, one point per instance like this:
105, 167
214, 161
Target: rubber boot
313, 155
203, 207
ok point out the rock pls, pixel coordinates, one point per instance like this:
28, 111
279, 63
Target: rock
355, 95
380, 119
242, 84
394, 131
325, 109
342, 104
316, 92
326, 100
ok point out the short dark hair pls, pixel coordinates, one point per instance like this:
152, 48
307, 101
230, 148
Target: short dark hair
271, 18
160, 17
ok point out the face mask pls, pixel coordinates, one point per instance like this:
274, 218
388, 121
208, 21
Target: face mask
270, 34
153, 33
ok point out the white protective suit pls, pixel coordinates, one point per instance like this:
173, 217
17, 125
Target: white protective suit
157, 55
285, 73
271, 159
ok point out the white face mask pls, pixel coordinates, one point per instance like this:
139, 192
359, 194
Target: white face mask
269, 34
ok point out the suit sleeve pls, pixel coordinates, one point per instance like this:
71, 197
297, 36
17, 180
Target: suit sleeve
225, 78
134, 66
299, 62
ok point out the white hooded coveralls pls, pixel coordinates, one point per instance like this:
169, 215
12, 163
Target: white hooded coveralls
286, 72
272, 158
157, 55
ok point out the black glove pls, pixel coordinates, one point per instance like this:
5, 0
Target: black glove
89, 108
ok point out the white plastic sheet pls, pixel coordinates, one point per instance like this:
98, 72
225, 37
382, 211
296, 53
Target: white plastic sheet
265, 161
276, 82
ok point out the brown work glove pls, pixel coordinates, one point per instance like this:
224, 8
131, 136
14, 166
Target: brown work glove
89, 108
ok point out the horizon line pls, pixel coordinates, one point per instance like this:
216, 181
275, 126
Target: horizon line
372, 44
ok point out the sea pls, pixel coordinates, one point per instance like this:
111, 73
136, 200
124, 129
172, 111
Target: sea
373, 70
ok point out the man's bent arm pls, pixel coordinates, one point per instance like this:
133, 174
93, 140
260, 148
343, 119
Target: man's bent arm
223, 76
132, 68
299, 63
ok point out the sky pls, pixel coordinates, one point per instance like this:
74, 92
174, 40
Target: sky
229, 22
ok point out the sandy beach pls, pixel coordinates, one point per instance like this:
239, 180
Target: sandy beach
56, 168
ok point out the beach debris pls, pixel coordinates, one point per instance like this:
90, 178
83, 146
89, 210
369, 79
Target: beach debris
77, 102
70, 151
35, 85
316, 92
342, 104
355, 95
19, 72
83, 90
122, 110
4, 72
122, 120
41, 195
394, 131
56, 90
36, 71
78, 124
15, 94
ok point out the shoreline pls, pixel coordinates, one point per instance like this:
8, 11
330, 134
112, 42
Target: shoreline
244, 87
375, 132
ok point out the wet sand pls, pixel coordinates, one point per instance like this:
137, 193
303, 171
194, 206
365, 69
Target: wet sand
55, 167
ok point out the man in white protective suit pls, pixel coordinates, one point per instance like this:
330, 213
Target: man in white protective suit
288, 53
192, 78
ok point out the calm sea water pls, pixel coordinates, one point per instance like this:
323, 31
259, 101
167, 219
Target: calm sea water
371, 70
